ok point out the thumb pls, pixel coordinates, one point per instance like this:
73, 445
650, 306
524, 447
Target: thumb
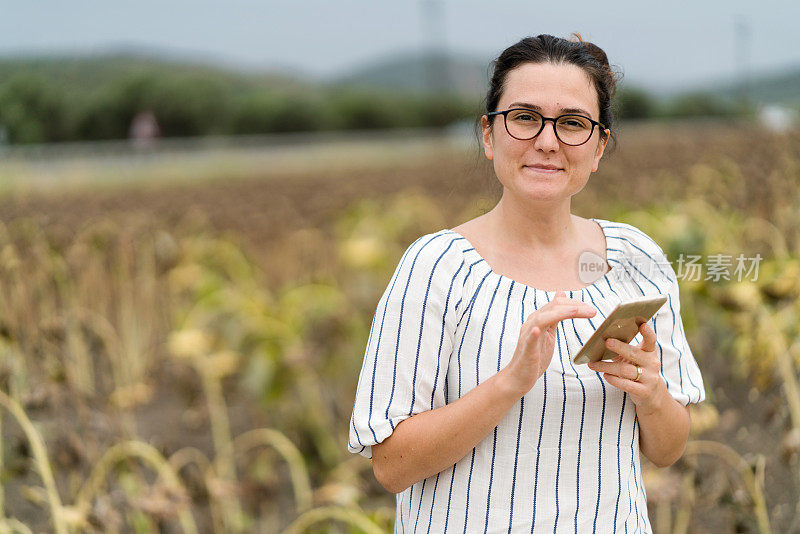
649, 337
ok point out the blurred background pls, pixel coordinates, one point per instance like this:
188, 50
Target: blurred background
201, 204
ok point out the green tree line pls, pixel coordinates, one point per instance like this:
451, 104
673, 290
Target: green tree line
36, 109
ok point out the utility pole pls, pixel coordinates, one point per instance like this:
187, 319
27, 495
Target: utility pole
436, 65
742, 61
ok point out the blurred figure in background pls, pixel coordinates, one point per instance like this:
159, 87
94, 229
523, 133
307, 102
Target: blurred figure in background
144, 130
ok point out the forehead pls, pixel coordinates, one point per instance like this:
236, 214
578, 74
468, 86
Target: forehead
551, 87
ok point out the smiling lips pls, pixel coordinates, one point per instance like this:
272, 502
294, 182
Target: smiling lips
543, 168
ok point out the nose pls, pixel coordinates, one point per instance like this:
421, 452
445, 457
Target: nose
547, 140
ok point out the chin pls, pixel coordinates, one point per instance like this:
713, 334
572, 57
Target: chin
539, 194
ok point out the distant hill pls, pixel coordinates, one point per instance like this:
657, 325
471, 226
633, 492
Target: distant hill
92, 97
778, 88
400, 73
418, 72
95, 97
470, 77
766, 87
405, 72
85, 72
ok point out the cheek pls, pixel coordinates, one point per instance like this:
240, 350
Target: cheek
511, 149
585, 159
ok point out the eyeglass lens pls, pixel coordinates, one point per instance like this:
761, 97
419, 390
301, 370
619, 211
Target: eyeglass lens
570, 129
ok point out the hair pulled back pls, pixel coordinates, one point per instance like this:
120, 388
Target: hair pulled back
546, 48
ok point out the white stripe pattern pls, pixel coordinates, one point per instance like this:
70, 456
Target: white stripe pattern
565, 458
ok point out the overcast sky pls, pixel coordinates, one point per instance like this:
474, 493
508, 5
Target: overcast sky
656, 44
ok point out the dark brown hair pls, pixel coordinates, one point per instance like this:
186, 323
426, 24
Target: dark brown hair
548, 49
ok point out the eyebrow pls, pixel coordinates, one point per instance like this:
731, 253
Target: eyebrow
539, 108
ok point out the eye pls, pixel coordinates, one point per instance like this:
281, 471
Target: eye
523, 116
574, 122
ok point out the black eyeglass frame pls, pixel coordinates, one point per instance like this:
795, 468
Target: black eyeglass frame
544, 121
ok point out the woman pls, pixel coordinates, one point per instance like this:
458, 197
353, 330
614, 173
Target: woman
468, 401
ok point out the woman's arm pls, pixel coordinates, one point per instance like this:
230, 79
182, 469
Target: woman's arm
663, 431
431, 441
663, 421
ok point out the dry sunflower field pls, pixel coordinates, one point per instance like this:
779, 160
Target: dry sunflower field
180, 353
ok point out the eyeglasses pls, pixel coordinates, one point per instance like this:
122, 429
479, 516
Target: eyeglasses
525, 124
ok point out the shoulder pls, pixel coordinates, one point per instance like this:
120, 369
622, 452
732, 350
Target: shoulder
436, 255
637, 248
630, 239
430, 270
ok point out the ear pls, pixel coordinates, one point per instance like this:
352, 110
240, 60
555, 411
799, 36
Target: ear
486, 129
601, 147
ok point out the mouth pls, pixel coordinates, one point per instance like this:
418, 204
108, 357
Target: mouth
546, 169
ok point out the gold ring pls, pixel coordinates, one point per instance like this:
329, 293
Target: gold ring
638, 374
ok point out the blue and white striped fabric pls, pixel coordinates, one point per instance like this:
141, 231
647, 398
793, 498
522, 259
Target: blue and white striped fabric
565, 458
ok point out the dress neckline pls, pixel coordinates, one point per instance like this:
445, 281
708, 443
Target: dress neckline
550, 294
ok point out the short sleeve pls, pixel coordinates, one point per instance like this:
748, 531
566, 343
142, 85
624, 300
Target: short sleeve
678, 366
410, 341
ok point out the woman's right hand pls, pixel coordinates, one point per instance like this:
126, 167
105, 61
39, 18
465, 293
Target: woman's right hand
537, 339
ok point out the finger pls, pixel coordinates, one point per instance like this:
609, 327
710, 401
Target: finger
619, 369
629, 386
562, 299
560, 296
535, 317
611, 368
559, 312
648, 343
625, 350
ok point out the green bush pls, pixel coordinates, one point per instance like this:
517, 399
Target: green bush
633, 103
266, 112
184, 106
698, 104
32, 111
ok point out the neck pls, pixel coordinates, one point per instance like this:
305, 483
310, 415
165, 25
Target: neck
535, 226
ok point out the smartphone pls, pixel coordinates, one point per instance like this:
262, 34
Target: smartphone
622, 323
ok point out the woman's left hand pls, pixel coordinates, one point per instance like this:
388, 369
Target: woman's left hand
650, 391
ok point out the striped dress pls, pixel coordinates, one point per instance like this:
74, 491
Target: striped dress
565, 458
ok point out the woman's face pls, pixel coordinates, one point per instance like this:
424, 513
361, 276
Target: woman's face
551, 90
